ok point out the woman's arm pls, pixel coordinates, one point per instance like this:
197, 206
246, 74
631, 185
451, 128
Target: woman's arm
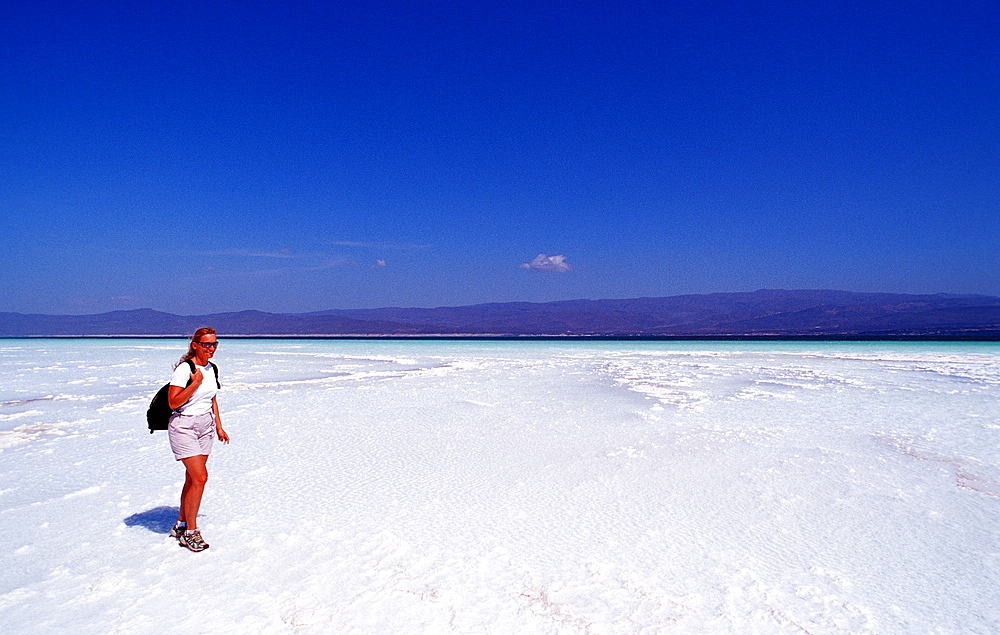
177, 396
218, 422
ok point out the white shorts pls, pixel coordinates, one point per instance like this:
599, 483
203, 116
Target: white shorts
191, 435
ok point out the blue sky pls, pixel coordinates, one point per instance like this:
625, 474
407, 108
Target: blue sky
201, 157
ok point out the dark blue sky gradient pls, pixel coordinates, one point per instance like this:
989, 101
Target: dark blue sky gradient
305, 156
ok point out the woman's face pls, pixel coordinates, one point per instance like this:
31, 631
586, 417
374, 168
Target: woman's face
204, 346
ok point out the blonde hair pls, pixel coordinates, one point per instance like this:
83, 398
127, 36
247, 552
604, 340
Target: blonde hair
205, 330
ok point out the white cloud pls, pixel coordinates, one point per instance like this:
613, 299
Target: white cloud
318, 265
549, 264
281, 253
386, 246
379, 263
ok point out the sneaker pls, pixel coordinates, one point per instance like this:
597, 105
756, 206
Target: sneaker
192, 540
177, 530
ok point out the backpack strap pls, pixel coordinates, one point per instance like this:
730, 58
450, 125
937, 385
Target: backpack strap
216, 369
190, 362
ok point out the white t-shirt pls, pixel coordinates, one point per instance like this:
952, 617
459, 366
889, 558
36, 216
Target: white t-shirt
201, 401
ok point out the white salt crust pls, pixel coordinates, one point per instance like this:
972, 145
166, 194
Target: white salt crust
509, 487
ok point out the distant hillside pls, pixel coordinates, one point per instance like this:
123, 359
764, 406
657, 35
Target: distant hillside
755, 314
758, 313
149, 322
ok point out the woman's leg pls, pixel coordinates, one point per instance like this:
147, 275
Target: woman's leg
194, 487
184, 491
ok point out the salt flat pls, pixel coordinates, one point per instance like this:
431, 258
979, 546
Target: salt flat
509, 487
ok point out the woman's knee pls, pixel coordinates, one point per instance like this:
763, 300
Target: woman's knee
197, 472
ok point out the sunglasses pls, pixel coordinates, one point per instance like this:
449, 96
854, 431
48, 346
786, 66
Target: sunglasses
207, 344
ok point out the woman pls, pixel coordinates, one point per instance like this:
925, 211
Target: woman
192, 428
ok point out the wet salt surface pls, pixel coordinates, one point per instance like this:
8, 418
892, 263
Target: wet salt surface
509, 487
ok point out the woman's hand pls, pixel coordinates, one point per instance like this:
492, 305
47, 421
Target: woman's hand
197, 377
219, 432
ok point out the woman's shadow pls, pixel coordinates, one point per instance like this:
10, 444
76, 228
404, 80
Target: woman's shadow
158, 520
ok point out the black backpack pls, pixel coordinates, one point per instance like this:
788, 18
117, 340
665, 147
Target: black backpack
159, 412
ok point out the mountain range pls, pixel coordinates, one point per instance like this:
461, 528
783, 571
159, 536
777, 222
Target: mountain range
764, 313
